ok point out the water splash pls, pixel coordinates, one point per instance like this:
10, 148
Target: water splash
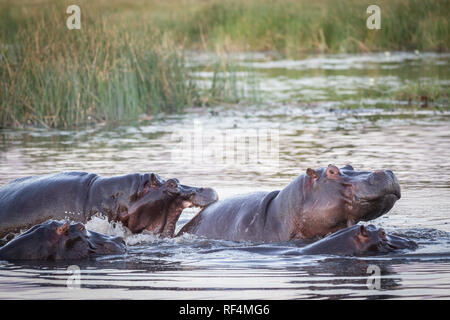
102, 225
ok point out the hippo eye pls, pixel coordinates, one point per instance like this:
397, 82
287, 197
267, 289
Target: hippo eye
171, 184
333, 170
63, 229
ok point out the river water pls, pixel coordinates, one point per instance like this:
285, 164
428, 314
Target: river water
309, 114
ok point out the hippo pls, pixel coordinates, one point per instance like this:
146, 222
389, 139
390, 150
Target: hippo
357, 240
140, 201
316, 203
60, 240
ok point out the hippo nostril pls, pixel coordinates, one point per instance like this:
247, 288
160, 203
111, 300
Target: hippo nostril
391, 175
377, 176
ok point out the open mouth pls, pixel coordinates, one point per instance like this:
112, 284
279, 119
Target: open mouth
165, 224
162, 220
188, 204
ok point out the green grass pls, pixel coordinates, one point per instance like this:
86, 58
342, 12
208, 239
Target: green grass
420, 92
295, 27
128, 60
51, 76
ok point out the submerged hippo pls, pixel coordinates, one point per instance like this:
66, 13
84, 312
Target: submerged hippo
357, 240
317, 203
139, 201
60, 240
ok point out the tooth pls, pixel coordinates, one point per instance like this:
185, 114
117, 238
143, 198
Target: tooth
350, 222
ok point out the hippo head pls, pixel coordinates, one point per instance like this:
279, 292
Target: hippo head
370, 240
159, 205
60, 240
334, 198
359, 240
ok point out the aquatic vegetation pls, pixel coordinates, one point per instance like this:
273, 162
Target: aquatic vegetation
109, 71
60, 78
416, 93
427, 92
129, 60
295, 27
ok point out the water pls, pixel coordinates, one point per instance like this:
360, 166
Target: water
414, 143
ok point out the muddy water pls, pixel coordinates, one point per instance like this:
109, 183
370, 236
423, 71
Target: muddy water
219, 149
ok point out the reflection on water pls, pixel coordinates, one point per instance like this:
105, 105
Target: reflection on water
414, 144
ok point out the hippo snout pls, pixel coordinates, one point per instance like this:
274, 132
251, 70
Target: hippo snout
395, 243
395, 184
386, 181
204, 197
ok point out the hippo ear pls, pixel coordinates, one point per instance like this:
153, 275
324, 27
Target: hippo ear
363, 231
63, 229
348, 167
154, 180
312, 173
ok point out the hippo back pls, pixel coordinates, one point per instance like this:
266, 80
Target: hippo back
237, 218
31, 200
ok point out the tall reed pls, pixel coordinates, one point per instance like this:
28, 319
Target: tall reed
128, 59
52, 76
294, 27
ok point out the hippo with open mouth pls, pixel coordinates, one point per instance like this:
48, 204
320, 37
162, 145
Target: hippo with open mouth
60, 240
316, 203
139, 201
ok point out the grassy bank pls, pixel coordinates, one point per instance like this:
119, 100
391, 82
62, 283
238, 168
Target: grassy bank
54, 77
128, 59
294, 27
